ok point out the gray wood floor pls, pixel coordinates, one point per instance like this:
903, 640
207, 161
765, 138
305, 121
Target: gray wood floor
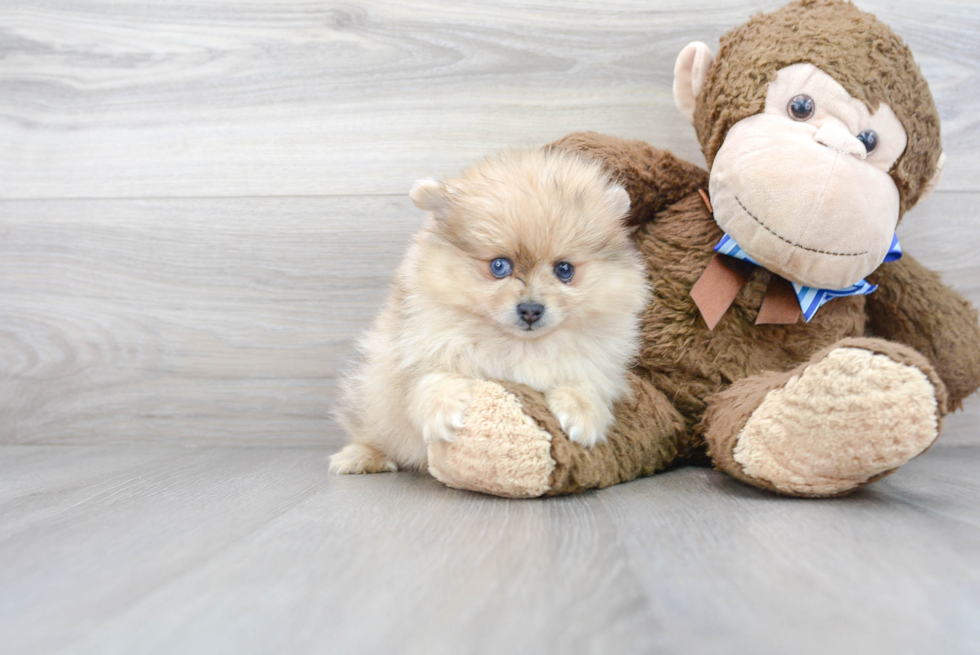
163, 549
200, 207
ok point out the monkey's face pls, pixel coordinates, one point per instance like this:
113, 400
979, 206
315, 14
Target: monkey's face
803, 187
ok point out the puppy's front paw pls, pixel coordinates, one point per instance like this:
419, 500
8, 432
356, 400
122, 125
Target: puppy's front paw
583, 417
443, 401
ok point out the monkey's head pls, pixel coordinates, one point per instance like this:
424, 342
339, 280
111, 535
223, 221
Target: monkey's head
820, 133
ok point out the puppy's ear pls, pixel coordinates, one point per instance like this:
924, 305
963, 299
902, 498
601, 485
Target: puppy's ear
431, 196
618, 200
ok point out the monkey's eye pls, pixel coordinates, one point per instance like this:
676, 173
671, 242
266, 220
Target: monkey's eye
870, 140
501, 267
564, 272
801, 107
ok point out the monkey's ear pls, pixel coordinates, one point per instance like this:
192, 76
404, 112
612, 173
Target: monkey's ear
690, 71
934, 180
430, 196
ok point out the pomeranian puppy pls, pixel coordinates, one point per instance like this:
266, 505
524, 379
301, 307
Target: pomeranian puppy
524, 271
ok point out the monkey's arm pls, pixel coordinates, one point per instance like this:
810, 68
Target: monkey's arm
654, 178
913, 306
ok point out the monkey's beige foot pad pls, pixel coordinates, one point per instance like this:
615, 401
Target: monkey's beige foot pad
847, 419
500, 451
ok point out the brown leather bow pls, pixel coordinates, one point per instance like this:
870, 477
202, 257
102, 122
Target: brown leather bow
716, 289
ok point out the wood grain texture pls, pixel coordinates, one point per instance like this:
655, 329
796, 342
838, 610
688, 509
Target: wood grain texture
210, 321
105, 98
243, 550
754, 573
187, 320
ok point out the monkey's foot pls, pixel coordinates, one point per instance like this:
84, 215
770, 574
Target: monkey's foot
851, 415
500, 450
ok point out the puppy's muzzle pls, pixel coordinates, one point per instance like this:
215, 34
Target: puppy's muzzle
530, 313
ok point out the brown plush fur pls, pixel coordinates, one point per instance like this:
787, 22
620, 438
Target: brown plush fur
654, 178
680, 355
914, 307
854, 48
622, 456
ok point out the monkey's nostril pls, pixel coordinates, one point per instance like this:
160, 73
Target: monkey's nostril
530, 312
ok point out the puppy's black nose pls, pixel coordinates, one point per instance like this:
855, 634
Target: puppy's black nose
530, 312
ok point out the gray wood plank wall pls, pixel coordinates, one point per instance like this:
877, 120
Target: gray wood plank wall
201, 203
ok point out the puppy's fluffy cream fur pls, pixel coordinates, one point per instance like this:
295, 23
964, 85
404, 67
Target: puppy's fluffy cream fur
449, 320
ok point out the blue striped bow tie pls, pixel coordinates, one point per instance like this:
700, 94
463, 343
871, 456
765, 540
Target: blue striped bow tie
811, 299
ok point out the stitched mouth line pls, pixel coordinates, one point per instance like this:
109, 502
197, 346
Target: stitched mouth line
796, 245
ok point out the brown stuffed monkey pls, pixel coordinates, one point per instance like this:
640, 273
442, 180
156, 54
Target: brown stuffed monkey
788, 339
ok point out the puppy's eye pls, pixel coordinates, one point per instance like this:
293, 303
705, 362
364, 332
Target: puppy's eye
870, 140
564, 272
801, 107
501, 267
